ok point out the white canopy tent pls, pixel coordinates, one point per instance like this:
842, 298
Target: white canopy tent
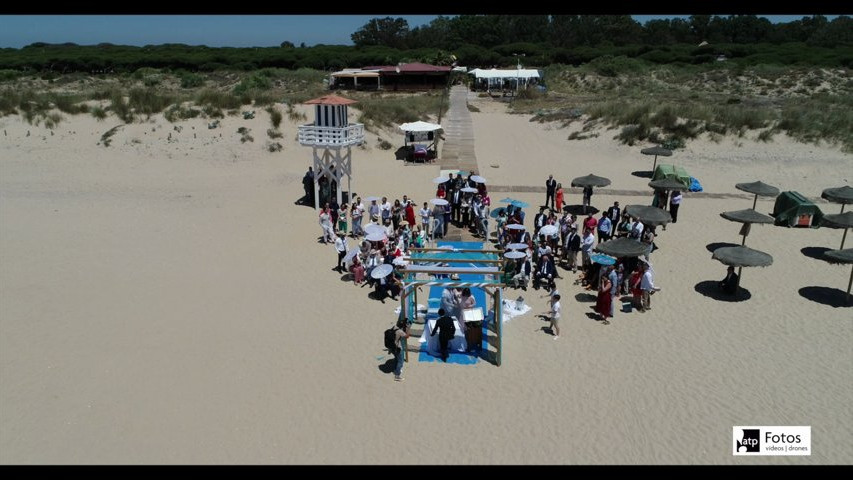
494, 78
526, 73
420, 132
420, 126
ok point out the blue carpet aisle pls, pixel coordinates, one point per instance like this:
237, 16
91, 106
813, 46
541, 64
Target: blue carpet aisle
462, 358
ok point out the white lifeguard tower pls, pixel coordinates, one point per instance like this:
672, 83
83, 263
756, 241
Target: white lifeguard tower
330, 133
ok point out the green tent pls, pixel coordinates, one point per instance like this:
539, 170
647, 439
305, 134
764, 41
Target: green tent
671, 171
792, 209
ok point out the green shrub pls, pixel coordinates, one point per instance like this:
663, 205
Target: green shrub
254, 81
275, 117
98, 113
217, 99
191, 80
148, 101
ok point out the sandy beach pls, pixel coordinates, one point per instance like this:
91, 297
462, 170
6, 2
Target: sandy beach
164, 301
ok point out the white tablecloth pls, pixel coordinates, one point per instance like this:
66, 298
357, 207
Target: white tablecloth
456, 344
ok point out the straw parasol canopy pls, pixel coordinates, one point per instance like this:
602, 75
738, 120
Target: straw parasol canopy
758, 188
649, 215
838, 220
663, 152
841, 256
590, 181
842, 195
747, 216
622, 247
742, 257
667, 184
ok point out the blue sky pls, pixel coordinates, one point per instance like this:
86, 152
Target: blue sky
212, 30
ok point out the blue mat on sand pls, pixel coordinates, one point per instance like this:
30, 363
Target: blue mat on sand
461, 358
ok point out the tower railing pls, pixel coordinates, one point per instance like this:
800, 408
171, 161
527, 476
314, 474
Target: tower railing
352, 134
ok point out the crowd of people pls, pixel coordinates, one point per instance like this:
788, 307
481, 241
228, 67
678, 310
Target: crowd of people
385, 231
397, 227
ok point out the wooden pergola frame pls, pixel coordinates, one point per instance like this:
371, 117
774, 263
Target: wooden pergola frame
494, 289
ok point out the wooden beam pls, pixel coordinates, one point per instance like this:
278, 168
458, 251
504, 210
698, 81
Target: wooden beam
453, 260
449, 284
430, 249
450, 270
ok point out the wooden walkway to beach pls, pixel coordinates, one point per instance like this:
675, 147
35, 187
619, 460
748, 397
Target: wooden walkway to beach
458, 150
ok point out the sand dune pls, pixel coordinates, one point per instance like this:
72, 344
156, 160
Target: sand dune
166, 302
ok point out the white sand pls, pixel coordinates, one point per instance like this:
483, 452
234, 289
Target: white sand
167, 303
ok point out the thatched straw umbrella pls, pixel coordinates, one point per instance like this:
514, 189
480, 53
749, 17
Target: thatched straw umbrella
842, 195
649, 215
758, 188
663, 152
838, 220
742, 257
590, 181
842, 256
747, 217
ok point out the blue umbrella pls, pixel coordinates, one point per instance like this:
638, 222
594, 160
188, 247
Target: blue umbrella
602, 259
520, 204
497, 212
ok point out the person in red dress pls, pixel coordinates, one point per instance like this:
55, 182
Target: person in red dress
602, 304
410, 214
559, 200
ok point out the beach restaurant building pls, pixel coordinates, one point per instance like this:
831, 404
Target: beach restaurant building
403, 77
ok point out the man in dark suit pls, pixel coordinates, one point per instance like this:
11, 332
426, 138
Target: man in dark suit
446, 331
448, 185
614, 214
550, 189
545, 272
455, 204
730, 283
539, 220
572, 247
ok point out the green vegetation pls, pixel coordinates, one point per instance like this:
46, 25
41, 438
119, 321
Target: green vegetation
106, 138
244, 135
648, 82
275, 117
378, 110
674, 104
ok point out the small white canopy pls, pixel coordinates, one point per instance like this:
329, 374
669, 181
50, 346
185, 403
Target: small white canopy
420, 127
514, 73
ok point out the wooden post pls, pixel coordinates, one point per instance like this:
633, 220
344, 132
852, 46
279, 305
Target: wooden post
843, 238
403, 313
849, 284
316, 183
499, 322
